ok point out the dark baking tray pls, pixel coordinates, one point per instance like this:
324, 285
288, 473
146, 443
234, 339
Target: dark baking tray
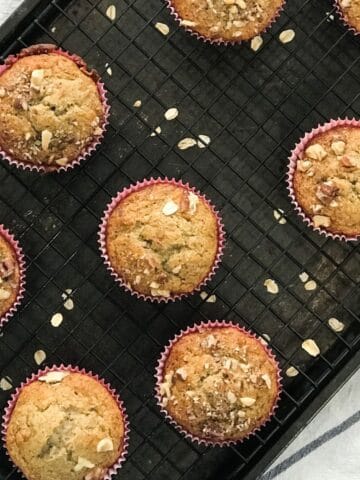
254, 107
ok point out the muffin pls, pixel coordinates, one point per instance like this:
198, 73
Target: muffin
326, 178
65, 425
161, 239
11, 274
52, 109
217, 383
350, 12
226, 20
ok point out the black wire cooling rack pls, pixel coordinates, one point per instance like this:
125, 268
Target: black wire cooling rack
254, 107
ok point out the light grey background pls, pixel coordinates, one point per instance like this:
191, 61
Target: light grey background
328, 448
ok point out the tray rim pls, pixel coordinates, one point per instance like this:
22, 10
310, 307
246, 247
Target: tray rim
19, 19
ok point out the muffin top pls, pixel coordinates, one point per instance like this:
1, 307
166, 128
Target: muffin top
227, 19
65, 426
162, 240
327, 180
219, 383
9, 276
351, 12
50, 108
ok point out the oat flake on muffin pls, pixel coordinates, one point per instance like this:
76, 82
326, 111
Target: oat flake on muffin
65, 425
162, 239
51, 109
326, 180
226, 20
218, 383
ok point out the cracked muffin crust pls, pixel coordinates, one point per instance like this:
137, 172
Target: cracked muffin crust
65, 426
326, 181
218, 383
350, 10
162, 239
51, 109
10, 276
227, 20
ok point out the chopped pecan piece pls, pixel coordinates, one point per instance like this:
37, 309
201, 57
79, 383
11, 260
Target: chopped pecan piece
327, 191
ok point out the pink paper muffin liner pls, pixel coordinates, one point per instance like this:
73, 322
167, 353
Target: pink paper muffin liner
159, 377
134, 188
220, 41
342, 18
87, 149
69, 368
21, 262
296, 154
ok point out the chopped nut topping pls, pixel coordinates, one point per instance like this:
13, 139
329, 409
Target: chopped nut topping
336, 325
98, 131
292, 372
170, 208
171, 114
303, 165
37, 77
187, 23
316, 152
182, 373
83, 463
162, 28
165, 387
321, 221
316, 208
326, 191
4, 294
271, 286
111, 12
287, 36
39, 357
241, 414
105, 445
62, 161
27, 136
154, 285
210, 341
176, 269
247, 401
311, 347
266, 379
231, 397
256, 43
46, 137
2, 92
351, 160
338, 147
160, 293
53, 377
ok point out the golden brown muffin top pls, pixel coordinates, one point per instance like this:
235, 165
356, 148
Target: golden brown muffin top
327, 180
50, 108
162, 240
9, 276
219, 383
351, 12
227, 19
65, 426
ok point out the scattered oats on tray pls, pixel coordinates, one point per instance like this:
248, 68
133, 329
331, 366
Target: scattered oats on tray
204, 141
304, 277
279, 216
5, 384
292, 372
137, 103
256, 43
310, 346
336, 325
56, 320
287, 36
271, 286
111, 12
162, 28
171, 114
310, 285
186, 143
39, 357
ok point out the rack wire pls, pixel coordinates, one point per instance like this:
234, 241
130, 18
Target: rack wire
254, 107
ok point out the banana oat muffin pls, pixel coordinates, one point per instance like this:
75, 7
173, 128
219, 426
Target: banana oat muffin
350, 10
326, 181
218, 383
51, 109
65, 426
162, 239
10, 275
226, 20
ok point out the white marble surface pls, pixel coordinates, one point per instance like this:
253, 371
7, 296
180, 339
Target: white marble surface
339, 457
